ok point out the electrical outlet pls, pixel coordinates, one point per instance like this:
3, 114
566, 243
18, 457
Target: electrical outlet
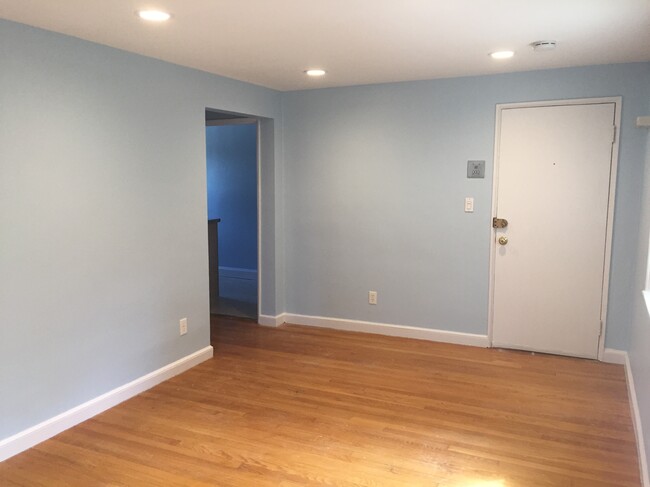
372, 297
182, 325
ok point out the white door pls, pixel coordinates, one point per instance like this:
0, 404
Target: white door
553, 174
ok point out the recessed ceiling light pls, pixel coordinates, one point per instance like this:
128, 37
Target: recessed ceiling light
543, 45
154, 15
502, 54
315, 72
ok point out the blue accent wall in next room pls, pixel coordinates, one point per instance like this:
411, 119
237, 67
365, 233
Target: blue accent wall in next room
232, 192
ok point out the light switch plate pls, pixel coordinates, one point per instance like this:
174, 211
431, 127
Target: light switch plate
643, 121
469, 205
476, 169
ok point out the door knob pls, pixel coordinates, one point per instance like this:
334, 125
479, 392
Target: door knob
503, 240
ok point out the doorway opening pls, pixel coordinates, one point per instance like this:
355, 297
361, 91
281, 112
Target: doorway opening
233, 213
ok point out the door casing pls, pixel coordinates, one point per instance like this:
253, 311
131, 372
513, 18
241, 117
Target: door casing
617, 100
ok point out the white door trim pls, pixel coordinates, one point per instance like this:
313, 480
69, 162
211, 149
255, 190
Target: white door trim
617, 100
258, 166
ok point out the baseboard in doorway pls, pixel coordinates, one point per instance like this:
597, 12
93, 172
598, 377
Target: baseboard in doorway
274, 321
389, 329
47, 429
237, 273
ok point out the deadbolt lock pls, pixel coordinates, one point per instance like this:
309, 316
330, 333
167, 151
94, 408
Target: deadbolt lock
503, 240
499, 222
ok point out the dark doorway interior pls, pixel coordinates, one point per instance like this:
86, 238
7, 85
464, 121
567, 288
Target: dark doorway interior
231, 153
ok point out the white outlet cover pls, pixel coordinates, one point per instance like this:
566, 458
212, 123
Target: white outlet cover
183, 326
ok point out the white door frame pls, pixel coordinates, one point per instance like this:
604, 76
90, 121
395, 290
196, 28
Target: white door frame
259, 217
617, 100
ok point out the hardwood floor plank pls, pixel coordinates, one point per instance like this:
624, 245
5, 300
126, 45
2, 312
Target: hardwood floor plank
302, 406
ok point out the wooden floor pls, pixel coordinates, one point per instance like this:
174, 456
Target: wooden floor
299, 406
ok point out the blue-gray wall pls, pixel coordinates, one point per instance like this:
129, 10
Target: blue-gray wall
103, 234
232, 192
639, 349
375, 184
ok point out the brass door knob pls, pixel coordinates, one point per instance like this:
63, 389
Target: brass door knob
503, 240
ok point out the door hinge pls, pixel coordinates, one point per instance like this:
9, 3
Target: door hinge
600, 332
613, 134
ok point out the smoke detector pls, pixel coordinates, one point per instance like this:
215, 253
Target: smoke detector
543, 45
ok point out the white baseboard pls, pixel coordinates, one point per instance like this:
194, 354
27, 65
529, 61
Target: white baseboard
636, 420
237, 272
613, 356
274, 321
390, 330
47, 429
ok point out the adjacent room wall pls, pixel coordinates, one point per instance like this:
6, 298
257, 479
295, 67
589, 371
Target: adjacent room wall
103, 241
232, 192
375, 185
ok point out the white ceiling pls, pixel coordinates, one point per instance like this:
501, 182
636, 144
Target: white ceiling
271, 42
